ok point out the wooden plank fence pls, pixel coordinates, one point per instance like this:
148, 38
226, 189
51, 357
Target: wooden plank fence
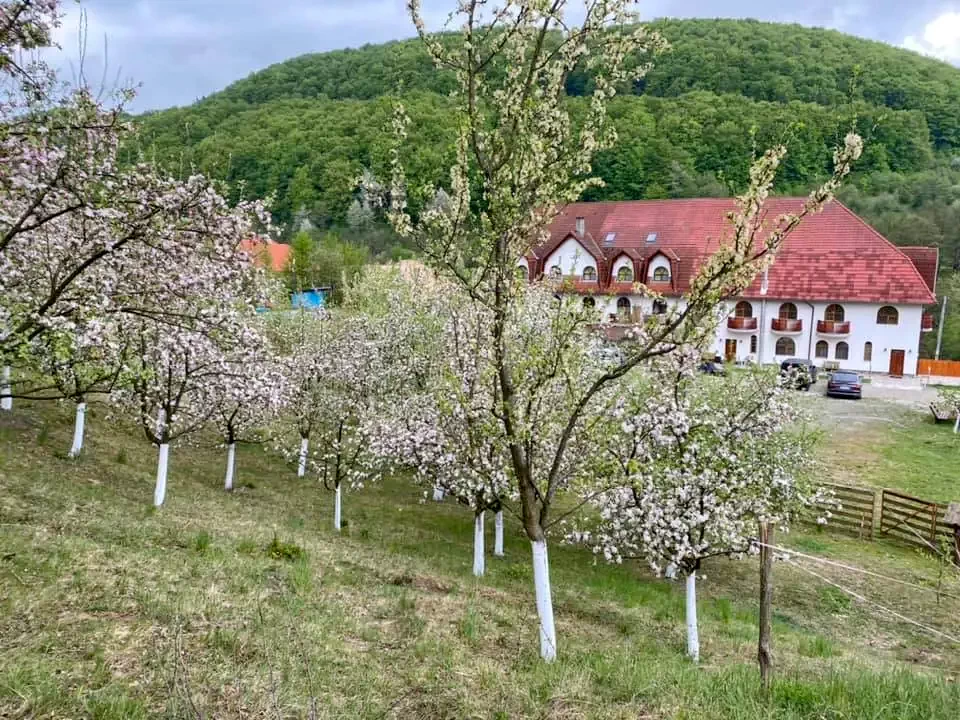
906, 517
858, 506
943, 368
879, 512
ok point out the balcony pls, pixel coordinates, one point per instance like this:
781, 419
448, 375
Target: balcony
833, 327
742, 324
926, 323
786, 326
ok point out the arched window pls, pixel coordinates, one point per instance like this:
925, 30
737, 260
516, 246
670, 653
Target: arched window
753, 343
589, 273
521, 272
659, 307
661, 274
623, 307
822, 349
888, 315
589, 302
833, 313
868, 352
556, 272
743, 309
788, 311
786, 346
842, 351
625, 274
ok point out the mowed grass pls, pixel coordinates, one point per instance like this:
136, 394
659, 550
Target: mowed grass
249, 605
887, 445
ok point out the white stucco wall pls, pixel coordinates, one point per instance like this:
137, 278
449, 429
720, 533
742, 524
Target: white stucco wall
863, 328
572, 258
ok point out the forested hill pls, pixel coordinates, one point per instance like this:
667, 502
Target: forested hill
305, 129
762, 61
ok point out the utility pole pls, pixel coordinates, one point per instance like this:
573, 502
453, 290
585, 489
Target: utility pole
943, 315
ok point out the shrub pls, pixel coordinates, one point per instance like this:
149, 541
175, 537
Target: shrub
818, 646
279, 550
201, 542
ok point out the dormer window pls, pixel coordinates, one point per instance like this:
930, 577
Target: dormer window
555, 272
661, 274
590, 274
625, 274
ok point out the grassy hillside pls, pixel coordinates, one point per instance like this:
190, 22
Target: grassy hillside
109, 609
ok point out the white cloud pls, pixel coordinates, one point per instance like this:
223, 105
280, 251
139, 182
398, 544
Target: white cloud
940, 38
845, 16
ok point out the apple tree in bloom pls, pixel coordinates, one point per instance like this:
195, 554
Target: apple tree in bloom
88, 363
693, 464
519, 159
437, 425
948, 399
79, 234
248, 397
336, 371
298, 337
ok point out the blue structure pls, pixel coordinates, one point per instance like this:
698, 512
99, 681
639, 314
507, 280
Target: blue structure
312, 299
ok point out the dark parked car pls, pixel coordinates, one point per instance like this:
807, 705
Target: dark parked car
844, 384
801, 373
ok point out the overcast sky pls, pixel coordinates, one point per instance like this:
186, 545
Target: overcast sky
181, 50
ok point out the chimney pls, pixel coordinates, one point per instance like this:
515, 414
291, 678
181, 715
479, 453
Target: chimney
581, 227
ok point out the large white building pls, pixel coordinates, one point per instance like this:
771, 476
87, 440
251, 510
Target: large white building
839, 293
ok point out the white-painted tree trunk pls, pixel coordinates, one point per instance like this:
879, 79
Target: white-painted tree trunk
541, 583
336, 508
498, 534
160, 492
6, 401
231, 458
78, 423
478, 548
302, 466
956, 425
438, 494
693, 637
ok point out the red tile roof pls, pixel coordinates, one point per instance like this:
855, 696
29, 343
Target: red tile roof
927, 261
833, 255
266, 252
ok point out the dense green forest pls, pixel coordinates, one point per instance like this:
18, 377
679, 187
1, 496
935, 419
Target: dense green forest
304, 130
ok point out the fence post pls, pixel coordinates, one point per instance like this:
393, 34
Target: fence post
876, 525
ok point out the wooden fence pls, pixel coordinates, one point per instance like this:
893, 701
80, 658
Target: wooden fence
858, 508
874, 513
943, 368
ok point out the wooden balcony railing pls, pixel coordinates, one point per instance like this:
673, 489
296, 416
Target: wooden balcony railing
832, 327
742, 323
786, 325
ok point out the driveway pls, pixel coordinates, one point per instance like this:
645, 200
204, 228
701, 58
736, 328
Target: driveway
885, 401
